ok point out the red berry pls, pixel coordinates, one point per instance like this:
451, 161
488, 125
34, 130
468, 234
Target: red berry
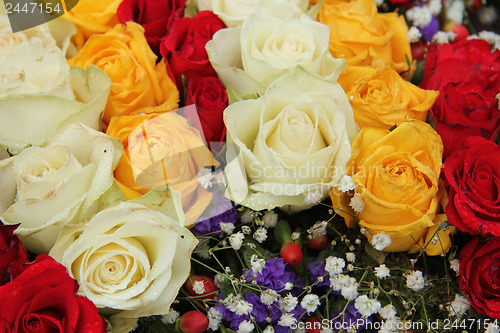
193, 322
313, 325
460, 31
208, 283
418, 50
318, 242
292, 253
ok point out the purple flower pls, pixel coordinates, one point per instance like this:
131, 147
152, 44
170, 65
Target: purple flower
275, 275
222, 210
230, 317
430, 30
262, 311
316, 269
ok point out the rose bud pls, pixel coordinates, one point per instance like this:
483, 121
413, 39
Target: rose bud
193, 322
209, 287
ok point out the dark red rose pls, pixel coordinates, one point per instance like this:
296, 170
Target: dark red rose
479, 277
473, 175
156, 16
42, 299
184, 47
467, 75
12, 254
209, 96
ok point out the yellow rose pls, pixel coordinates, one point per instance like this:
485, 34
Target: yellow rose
92, 17
138, 84
161, 149
358, 31
396, 174
380, 97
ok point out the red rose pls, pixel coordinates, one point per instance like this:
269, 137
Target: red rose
156, 16
467, 75
12, 254
42, 299
184, 47
479, 277
473, 175
210, 98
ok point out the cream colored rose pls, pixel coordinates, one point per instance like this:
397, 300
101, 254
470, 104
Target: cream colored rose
57, 31
274, 40
294, 142
45, 188
233, 12
40, 94
130, 260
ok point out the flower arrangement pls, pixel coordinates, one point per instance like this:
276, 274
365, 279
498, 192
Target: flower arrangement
251, 166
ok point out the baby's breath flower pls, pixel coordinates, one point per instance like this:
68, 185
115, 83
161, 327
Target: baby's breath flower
313, 197
295, 235
260, 234
170, 317
236, 240
214, 319
459, 306
257, 264
270, 219
288, 303
269, 296
228, 227
318, 229
334, 265
310, 302
346, 184
351, 257
357, 203
199, 287
245, 327
381, 240
247, 216
413, 35
246, 230
382, 271
415, 280
455, 266
366, 306
287, 320
388, 312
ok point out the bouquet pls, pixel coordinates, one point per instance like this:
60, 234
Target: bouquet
250, 166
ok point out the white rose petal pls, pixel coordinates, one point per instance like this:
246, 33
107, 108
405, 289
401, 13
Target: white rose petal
66, 181
293, 140
37, 82
273, 40
128, 257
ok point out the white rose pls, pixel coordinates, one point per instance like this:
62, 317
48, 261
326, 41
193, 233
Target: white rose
45, 188
274, 40
132, 258
293, 141
233, 12
58, 31
40, 94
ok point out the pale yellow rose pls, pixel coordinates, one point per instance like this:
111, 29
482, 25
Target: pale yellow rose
234, 12
380, 97
43, 188
159, 150
397, 177
130, 259
293, 143
275, 39
358, 32
40, 93
138, 83
57, 31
